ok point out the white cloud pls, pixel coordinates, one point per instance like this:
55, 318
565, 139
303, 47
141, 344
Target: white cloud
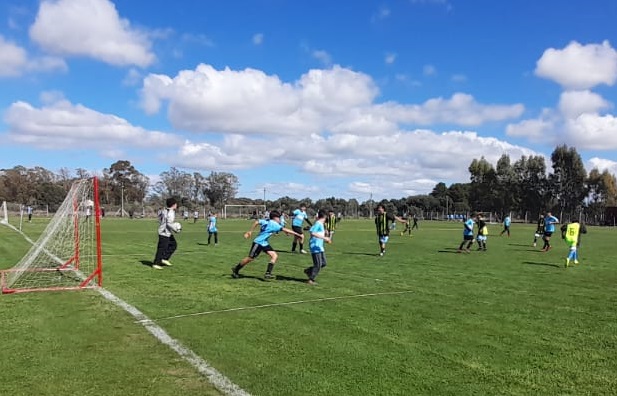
459, 78
132, 78
602, 164
390, 58
90, 28
337, 100
429, 70
323, 57
578, 66
574, 103
14, 58
251, 102
258, 38
460, 109
62, 125
592, 132
536, 130
383, 13
15, 61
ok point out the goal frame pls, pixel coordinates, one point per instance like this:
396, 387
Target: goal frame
260, 206
72, 264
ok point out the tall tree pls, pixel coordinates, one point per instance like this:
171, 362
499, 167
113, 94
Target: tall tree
568, 178
483, 182
531, 185
220, 187
125, 182
505, 192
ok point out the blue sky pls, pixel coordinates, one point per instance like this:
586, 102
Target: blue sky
306, 98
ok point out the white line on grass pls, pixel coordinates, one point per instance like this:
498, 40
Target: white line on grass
217, 379
145, 321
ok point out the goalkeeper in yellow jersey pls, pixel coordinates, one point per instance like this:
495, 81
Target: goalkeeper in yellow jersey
571, 233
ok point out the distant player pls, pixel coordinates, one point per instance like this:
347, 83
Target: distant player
29, 211
261, 243
316, 244
383, 225
482, 232
330, 223
539, 229
549, 229
185, 215
571, 234
467, 235
212, 230
195, 216
415, 222
506, 226
299, 217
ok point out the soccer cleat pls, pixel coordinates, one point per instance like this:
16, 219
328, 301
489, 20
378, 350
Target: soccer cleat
234, 273
268, 276
575, 261
157, 267
535, 244
166, 262
303, 251
567, 262
311, 282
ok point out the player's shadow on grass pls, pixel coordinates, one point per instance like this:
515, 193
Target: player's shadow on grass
448, 250
544, 264
361, 254
147, 263
519, 244
290, 278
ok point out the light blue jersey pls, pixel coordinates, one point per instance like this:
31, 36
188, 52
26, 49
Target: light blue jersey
316, 244
468, 230
507, 221
299, 217
212, 224
267, 228
549, 223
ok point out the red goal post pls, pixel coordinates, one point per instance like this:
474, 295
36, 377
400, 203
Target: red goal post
68, 253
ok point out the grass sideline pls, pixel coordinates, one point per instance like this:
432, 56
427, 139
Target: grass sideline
420, 320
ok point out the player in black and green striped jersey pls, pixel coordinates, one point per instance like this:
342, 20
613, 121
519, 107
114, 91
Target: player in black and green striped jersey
383, 222
330, 224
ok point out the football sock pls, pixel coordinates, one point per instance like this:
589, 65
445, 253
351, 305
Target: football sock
293, 247
238, 267
270, 268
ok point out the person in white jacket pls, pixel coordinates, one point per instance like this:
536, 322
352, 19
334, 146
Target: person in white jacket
167, 244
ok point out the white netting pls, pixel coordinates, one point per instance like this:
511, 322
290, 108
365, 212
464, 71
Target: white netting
243, 211
66, 254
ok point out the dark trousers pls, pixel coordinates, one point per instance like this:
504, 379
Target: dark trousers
165, 248
216, 237
319, 261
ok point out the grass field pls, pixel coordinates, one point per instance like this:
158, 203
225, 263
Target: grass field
422, 320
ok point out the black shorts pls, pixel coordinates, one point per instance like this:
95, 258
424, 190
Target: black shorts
548, 234
297, 229
257, 248
468, 237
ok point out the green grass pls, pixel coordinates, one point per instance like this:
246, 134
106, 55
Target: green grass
420, 320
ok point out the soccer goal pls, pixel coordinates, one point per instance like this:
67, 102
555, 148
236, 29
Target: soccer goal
68, 254
243, 211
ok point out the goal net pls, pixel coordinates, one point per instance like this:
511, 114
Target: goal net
67, 255
243, 211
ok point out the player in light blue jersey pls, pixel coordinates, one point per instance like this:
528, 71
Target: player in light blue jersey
298, 218
506, 226
549, 229
212, 230
467, 235
261, 243
318, 237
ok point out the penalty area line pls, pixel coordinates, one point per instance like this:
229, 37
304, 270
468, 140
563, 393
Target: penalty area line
281, 304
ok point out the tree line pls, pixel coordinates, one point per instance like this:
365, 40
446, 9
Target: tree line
523, 187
